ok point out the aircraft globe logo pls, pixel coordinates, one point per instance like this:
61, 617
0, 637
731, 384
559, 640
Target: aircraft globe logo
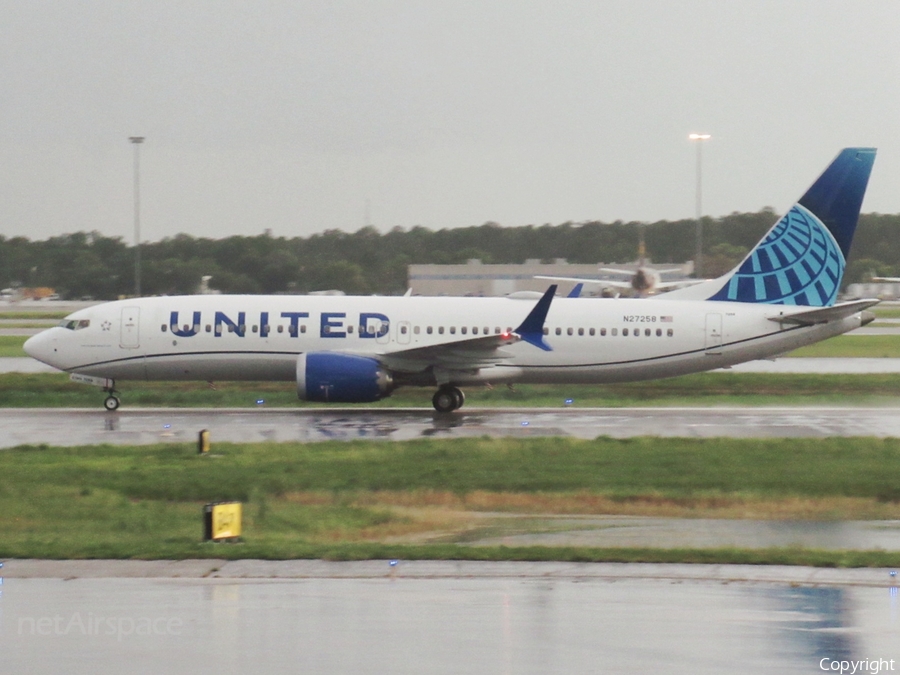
798, 263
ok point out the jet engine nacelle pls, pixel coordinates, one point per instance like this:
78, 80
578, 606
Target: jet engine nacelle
341, 378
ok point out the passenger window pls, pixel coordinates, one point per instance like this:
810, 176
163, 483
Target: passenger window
403, 330
625, 332
602, 331
497, 331
452, 330
440, 330
428, 330
659, 332
254, 328
209, 328
230, 328
163, 328
302, 329
581, 331
350, 329
669, 332
646, 332
614, 332
280, 329
416, 330
546, 330
474, 330
293, 331
559, 331
462, 330
593, 331
568, 331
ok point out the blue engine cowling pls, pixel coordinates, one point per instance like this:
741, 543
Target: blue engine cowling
341, 378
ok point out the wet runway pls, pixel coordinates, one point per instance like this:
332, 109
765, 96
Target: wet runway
142, 427
451, 618
649, 532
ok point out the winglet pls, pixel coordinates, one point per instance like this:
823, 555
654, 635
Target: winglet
576, 291
532, 328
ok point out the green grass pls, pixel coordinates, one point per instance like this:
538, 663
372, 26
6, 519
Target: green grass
358, 500
11, 346
853, 346
33, 315
885, 312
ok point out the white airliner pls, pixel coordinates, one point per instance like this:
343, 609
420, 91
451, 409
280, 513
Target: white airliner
359, 349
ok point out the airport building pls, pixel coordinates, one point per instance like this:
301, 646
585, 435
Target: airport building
475, 278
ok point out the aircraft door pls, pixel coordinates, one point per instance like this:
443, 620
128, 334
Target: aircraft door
403, 332
129, 337
713, 334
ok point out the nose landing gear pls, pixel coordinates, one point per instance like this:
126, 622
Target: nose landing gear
111, 402
448, 399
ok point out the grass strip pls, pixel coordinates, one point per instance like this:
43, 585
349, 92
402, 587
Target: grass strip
853, 346
11, 346
353, 500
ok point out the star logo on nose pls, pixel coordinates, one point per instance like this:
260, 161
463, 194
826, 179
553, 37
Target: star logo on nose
106, 325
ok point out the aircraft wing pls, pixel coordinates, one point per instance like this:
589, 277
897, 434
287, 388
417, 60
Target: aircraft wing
626, 284
582, 280
476, 352
678, 284
810, 317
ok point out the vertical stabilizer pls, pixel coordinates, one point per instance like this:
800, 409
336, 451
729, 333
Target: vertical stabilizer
801, 260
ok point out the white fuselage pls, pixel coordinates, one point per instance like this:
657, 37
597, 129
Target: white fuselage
260, 337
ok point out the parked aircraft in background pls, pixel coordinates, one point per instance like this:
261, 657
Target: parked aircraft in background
346, 349
643, 281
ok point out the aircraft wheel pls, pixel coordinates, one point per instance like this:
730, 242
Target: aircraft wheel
460, 398
111, 403
447, 399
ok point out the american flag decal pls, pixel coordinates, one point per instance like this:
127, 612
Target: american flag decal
665, 319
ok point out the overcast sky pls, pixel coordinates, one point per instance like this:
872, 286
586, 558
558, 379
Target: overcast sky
304, 116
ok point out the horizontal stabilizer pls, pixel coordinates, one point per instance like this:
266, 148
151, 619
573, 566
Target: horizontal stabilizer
824, 314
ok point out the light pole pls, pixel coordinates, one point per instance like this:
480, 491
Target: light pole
699, 138
136, 141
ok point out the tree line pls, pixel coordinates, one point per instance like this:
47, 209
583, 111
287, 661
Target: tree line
91, 265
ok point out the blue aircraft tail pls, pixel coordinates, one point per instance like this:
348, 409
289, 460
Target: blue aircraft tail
801, 260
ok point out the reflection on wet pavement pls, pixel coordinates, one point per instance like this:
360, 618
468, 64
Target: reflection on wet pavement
481, 624
143, 426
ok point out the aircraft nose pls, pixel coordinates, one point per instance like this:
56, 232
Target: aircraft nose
41, 347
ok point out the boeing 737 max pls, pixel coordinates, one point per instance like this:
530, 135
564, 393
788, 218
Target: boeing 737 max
347, 349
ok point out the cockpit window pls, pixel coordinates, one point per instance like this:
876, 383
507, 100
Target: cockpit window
75, 324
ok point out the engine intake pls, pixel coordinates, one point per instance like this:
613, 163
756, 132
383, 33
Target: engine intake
341, 378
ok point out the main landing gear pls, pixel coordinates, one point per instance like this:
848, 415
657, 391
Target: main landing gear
448, 399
